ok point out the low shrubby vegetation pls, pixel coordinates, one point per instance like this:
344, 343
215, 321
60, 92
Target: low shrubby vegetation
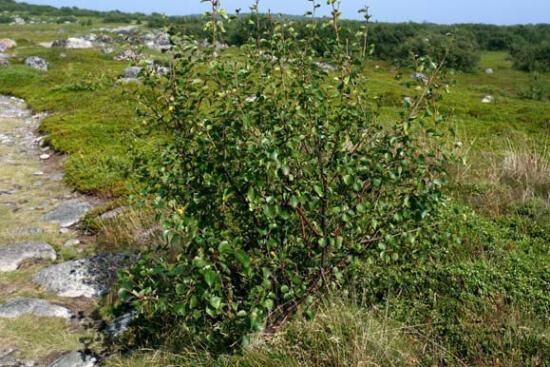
531, 57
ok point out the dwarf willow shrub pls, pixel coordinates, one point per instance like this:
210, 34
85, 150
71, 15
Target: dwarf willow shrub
274, 181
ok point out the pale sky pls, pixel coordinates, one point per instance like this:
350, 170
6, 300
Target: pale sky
437, 11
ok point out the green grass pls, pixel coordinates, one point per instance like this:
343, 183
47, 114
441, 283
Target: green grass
90, 113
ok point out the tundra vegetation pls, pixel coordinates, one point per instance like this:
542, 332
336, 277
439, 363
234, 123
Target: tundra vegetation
321, 192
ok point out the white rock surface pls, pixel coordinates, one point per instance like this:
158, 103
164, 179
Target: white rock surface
12, 256
32, 307
75, 359
488, 99
69, 213
88, 277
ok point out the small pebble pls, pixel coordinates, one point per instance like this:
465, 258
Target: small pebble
44, 157
72, 243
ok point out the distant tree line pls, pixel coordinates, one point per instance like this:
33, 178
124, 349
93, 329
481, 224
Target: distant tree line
528, 45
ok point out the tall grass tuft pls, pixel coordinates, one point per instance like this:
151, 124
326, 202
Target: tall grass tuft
501, 180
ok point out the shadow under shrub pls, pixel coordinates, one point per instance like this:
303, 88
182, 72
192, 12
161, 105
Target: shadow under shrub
275, 183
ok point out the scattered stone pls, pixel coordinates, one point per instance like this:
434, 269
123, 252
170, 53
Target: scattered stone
68, 213
72, 243
4, 139
6, 44
19, 21
132, 72
12, 256
88, 277
157, 68
38, 173
8, 359
74, 42
4, 59
419, 77
489, 71
488, 99
120, 325
46, 44
107, 50
11, 107
111, 214
37, 63
128, 81
122, 30
44, 157
57, 177
129, 55
205, 43
159, 41
75, 359
31, 306
327, 68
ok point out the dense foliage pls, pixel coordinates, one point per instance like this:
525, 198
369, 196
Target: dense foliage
532, 57
276, 182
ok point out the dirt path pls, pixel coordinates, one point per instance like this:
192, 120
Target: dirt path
44, 296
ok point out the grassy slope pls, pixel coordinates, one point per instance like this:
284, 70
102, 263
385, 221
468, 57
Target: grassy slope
504, 258
90, 114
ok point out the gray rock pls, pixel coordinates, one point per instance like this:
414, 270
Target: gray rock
327, 68
37, 63
74, 42
30, 306
75, 359
6, 44
111, 214
8, 359
12, 256
129, 55
125, 30
157, 68
129, 81
4, 60
159, 41
46, 44
68, 213
132, 72
72, 243
19, 21
120, 325
489, 71
488, 99
88, 277
420, 77
11, 107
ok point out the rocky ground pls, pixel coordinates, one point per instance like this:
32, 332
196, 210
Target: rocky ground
49, 275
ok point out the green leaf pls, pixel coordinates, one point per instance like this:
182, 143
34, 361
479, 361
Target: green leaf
224, 248
216, 302
318, 190
210, 277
